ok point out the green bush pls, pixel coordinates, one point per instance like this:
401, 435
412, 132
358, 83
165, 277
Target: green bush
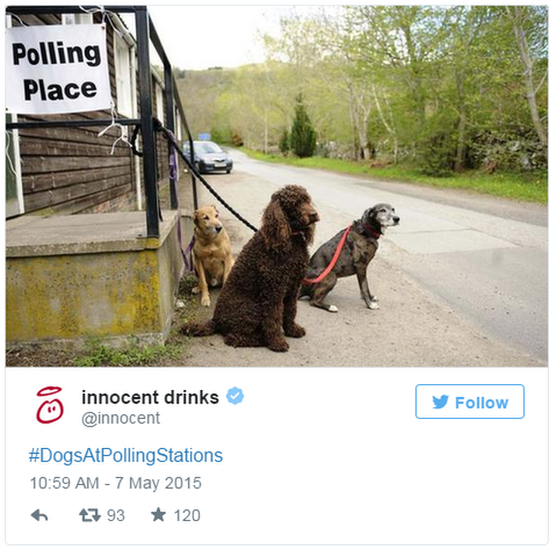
303, 135
437, 154
284, 143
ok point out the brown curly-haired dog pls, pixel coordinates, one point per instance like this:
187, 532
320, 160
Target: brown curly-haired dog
258, 303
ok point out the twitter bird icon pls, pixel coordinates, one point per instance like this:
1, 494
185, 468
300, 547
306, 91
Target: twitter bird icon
440, 402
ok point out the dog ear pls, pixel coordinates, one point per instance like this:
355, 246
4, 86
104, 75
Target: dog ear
195, 218
276, 228
368, 215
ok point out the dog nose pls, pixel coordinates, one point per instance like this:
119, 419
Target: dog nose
315, 218
219, 228
396, 219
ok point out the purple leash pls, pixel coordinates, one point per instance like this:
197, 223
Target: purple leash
174, 176
187, 254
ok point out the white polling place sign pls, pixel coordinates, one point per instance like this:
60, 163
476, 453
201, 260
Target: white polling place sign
57, 69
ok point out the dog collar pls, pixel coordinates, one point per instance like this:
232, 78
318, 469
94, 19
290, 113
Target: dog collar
369, 229
299, 233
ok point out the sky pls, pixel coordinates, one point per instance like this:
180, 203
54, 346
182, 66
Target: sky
200, 37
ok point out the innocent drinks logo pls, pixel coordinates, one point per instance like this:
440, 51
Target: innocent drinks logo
50, 410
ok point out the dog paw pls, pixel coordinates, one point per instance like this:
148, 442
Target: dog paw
196, 290
332, 309
295, 331
373, 306
205, 301
278, 346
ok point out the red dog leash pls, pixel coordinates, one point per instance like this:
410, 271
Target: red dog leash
329, 268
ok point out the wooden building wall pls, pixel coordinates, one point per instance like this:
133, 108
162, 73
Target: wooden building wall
71, 170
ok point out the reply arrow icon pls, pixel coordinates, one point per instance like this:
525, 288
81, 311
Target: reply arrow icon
37, 514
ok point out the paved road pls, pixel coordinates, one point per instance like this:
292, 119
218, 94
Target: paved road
481, 259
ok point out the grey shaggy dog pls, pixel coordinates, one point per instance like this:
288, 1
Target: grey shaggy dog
360, 248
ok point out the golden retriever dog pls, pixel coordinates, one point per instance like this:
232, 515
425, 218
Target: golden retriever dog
212, 252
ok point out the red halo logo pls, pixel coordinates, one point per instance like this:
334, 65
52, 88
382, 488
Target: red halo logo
50, 410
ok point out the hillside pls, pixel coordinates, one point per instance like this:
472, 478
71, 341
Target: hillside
199, 92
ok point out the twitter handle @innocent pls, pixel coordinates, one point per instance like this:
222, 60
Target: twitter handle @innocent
470, 401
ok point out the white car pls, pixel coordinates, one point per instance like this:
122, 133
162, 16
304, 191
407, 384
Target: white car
208, 157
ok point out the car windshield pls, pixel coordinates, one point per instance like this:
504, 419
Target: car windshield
206, 147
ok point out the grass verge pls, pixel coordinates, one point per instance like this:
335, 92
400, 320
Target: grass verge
98, 354
528, 186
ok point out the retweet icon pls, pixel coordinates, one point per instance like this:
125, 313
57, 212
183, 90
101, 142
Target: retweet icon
440, 402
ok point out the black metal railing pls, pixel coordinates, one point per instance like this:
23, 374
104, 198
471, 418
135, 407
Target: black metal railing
145, 31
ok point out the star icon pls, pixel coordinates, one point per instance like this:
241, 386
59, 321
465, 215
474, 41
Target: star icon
158, 514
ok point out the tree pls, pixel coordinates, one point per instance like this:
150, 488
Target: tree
284, 143
467, 23
521, 17
303, 135
444, 88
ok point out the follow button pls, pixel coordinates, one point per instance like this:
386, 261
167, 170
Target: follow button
470, 401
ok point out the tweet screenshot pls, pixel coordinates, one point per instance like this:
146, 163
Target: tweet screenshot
275, 275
